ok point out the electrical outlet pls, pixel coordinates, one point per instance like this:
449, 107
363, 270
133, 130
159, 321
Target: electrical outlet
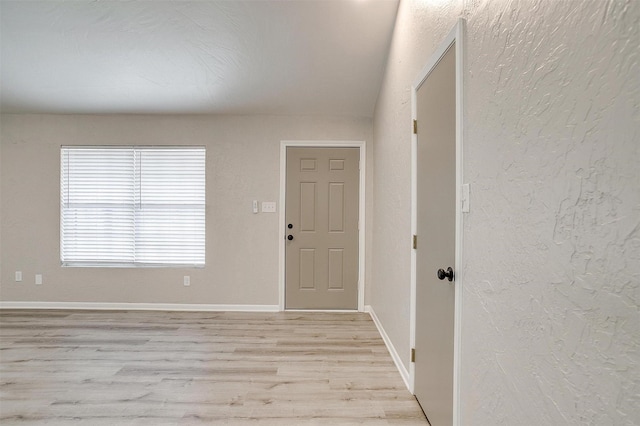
18, 276
38, 279
187, 280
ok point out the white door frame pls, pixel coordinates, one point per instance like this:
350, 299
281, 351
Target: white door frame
456, 35
361, 210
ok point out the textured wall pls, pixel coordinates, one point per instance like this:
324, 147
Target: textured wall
551, 324
243, 156
552, 245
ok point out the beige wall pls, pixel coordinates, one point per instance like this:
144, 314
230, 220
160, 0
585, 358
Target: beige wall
242, 165
0, 209
419, 28
551, 257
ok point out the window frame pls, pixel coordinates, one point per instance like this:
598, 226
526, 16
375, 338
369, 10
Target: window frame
137, 207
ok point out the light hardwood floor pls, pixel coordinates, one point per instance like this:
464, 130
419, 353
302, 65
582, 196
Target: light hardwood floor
160, 368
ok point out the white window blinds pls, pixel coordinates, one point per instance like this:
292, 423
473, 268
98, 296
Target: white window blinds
132, 206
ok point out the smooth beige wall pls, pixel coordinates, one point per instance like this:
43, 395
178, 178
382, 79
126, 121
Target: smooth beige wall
0, 205
420, 26
243, 155
551, 253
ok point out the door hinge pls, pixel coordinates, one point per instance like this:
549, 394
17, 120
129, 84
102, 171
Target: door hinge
415, 241
413, 354
415, 127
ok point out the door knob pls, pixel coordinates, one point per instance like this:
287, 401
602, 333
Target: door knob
448, 274
289, 237
290, 225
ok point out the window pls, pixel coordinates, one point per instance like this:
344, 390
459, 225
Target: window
132, 206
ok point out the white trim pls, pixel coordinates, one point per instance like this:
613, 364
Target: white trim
328, 311
457, 321
139, 306
456, 35
362, 145
392, 350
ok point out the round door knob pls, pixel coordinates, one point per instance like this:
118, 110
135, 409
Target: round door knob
448, 274
289, 237
290, 225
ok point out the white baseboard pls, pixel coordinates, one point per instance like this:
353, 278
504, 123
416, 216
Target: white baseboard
139, 306
329, 311
392, 350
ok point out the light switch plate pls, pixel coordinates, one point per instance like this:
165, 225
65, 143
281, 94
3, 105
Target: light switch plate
465, 198
268, 207
38, 279
18, 276
186, 280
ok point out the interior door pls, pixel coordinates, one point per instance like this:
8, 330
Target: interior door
435, 253
321, 213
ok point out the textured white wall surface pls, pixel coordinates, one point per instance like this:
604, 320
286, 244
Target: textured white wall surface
551, 320
243, 154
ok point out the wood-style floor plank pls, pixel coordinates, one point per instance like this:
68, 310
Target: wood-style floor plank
183, 368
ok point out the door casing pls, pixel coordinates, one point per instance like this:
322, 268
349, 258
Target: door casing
456, 35
361, 213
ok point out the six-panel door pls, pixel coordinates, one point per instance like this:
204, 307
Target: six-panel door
322, 228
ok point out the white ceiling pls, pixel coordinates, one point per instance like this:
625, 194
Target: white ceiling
223, 57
